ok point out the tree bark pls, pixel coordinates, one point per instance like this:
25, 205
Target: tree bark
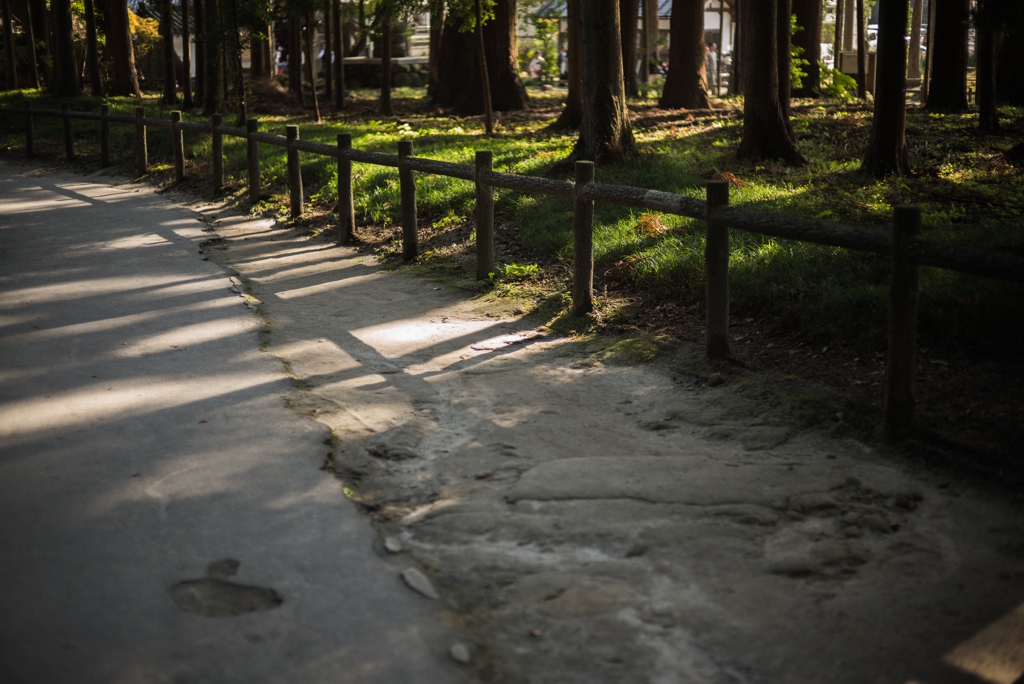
1010, 73
988, 37
862, 52
686, 85
784, 45
294, 55
212, 50
947, 91
849, 24
65, 66
808, 17
328, 49
201, 61
339, 55
572, 114
170, 95
92, 50
42, 39
311, 65
437, 20
485, 82
606, 135
10, 61
765, 134
887, 150
385, 67
739, 49
914, 49
121, 52
840, 28
30, 45
186, 55
628, 10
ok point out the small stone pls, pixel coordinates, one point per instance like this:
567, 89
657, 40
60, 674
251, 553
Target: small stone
536, 632
419, 583
392, 545
460, 653
715, 379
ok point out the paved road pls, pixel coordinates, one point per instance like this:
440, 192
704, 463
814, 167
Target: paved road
144, 444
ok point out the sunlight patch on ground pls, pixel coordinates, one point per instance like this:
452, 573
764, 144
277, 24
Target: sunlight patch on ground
996, 653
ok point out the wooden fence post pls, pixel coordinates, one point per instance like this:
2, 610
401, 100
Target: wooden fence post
484, 217
407, 185
294, 172
716, 270
252, 152
583, 244
141, 155
346, 203
104, 136
901, 359
217, 145
177, 144
69, 143
30, 143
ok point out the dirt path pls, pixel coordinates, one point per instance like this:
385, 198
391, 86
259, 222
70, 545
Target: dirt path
595, 519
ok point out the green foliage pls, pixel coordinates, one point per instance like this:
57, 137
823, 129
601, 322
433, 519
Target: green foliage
796, 60
514, 272
834, 83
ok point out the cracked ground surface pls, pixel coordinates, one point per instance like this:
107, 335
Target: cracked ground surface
593, 522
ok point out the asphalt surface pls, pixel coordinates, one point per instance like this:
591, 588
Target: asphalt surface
144, 444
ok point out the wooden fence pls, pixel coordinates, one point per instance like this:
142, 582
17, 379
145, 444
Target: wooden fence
902, 244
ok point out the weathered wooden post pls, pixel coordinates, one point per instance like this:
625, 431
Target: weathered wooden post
69, 143
346, 203
294, 172
217, 145
141, 154
583, 244
407, 185
484, 217
30, 143
716, 269
178, 145
104, 136
901, 360
252, 153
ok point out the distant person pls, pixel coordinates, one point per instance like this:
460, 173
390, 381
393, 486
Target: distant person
711, 64
563, 63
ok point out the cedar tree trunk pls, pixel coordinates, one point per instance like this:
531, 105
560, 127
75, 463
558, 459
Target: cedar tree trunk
606, 135
199, 7
10, 61
328, 49
186, 55
572, 114
434, 56
914, 49
30, 45
947, 90
887, 151
628, 10
765, 134
65, 66
784, 45
170, 96
92, 52
686, 85
212, 50
339, 54
1010, 73
385, 69
121, 52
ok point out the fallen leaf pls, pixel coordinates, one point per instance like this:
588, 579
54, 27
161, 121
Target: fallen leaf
205, 420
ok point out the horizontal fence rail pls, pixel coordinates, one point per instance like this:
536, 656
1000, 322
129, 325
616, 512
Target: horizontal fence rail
907, 251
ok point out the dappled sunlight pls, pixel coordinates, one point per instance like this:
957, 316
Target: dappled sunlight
329, 286
996, 653
182, 337
269, 270
154, 287
396, 339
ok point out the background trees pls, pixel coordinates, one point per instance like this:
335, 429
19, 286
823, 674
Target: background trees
686, 85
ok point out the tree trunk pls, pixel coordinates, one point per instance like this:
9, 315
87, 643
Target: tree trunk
947, 91
765, 134
385, 68
686, 83
121, 52
92, 50
628, 10
572, 114
437, 20
294, 55
186, 55
862, 54
310, 65
784, 45
887, 151
65, 66
328, 49
837, 47
849, 24
42, 38
236, 44
30, 45
258, 69
606, 135
739, 50
988, 38
808, 17
460, 83
170, 96
485, 82
10, 61
201, 61
339, 55
914, 49
212, 49
1010, 73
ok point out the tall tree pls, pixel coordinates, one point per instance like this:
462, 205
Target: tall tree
92, 54
170, 95
213, 78
686, 85
310, 63
485, 81
784, 48
30, 45
808, 38
10, 61
887, 151
121, 52
765, 133
628, 10
186, 55
739, 50
437, 22
201, 61
41, 38
572, 113
947, 90
386, 19
340, 53
1010, 66
65, 66
328, 49
914, 48
294, 51
606, 135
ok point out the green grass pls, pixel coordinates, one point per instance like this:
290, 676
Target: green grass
969, 196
